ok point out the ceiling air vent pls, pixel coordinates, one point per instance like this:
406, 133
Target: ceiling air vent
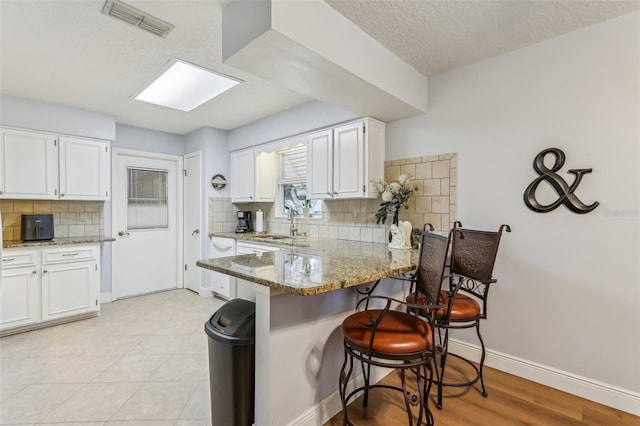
136, 17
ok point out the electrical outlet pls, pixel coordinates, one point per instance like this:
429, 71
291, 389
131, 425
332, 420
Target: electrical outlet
356, 216
83, 217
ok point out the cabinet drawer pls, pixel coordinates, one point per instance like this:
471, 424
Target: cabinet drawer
19, 259
68, 255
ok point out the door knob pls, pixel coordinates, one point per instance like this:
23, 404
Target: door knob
123, 234
195, 232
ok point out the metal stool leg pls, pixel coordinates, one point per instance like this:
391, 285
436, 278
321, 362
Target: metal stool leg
484, 392
344, 381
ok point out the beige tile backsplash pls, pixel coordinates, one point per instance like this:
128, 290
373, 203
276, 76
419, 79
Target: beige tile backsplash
433, 202
70, 218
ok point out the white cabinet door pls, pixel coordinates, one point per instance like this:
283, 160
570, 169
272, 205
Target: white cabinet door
70, 281
348, 161
28, 165
320, 165
242, 176
222, 284
265, 185
19, 289
69, 289
85, 170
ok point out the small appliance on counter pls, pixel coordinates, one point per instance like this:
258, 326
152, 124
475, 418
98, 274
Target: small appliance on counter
244, 222
36, 227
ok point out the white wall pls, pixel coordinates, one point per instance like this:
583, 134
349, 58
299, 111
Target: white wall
568, 291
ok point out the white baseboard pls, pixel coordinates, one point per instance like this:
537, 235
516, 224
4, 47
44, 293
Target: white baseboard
324, 411
105, 298
602, 393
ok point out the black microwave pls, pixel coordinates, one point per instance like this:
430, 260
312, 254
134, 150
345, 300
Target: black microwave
36, 227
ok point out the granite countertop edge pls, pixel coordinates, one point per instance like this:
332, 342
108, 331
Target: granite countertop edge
57, 242
311, 246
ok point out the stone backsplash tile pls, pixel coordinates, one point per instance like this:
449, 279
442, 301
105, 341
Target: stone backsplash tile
433, 202
70, 218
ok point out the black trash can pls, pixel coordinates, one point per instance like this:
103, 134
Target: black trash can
231, 332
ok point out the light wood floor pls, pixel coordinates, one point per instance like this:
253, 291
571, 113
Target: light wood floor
511, 401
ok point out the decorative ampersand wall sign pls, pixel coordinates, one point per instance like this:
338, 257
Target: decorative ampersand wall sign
565, 192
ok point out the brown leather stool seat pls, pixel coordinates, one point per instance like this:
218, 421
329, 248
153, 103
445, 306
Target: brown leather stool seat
396, 334
463, 308
401, 340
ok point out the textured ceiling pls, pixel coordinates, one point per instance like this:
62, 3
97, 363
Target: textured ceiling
66, 52
436, 36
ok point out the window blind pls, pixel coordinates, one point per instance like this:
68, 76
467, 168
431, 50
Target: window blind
294, 166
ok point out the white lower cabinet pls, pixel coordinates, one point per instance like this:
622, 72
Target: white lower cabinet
48, 284
244, 288
221, 284
19, 289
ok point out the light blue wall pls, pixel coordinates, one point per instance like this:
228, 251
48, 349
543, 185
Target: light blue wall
300, 119
147, 140
35, 115
212, 145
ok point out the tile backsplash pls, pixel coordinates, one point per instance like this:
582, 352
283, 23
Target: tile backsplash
70, 218
433, 202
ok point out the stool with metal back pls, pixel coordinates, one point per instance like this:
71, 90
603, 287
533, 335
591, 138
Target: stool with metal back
473, 255
396, 339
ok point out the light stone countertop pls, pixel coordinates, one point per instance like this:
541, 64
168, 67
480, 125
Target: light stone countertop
323, 265
56, 242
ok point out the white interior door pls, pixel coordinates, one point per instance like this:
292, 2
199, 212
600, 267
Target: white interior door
147, 223
192, 222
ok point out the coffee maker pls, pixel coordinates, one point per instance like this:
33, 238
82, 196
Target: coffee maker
244, 222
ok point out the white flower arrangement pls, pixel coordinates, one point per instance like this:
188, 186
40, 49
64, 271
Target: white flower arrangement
394, 195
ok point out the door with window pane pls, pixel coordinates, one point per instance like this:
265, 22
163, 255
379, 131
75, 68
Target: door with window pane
147, 252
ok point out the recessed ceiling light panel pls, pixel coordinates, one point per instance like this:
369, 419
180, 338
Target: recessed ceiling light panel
137, 17
184, 86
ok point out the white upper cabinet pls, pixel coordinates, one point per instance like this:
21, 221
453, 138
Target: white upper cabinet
84, 169
253, 177
342, 162
320, 165
242, 176
29, 165
265, 186
43, 166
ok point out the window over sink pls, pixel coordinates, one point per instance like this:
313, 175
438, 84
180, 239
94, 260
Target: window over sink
292, 185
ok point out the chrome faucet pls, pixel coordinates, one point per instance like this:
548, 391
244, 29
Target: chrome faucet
292, 226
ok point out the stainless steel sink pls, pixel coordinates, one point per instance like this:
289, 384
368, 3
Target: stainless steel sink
269, 236
278, 237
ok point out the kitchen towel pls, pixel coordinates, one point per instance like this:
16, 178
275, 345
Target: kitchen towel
259, 221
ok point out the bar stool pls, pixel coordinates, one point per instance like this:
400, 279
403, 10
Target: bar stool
473, 255
394, 339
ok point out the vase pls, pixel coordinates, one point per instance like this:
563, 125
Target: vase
395, 221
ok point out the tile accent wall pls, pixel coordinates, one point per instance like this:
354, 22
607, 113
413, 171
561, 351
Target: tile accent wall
222, 215
434, 202
70, 218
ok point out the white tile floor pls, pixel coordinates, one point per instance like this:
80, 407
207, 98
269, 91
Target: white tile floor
142, 362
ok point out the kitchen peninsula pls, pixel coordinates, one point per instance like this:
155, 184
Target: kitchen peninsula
302, 295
